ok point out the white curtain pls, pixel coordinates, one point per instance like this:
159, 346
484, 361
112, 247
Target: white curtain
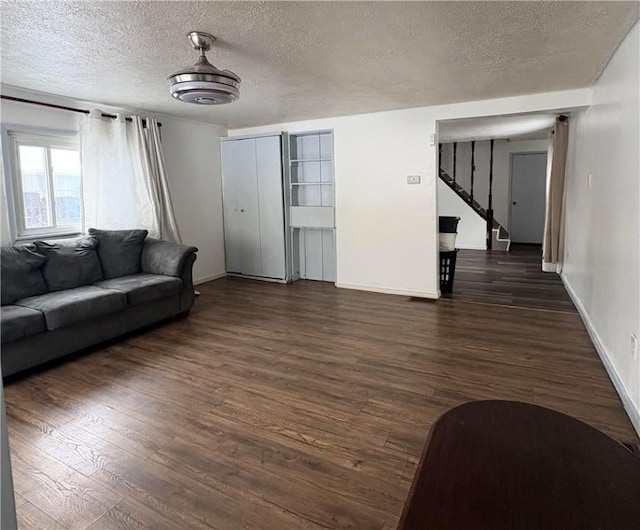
148, 151
124, 179
553, 225
5, 229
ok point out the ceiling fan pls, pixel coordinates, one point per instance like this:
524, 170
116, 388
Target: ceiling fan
203, 83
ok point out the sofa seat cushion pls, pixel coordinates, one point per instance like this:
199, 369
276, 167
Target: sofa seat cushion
19, 322
63, 308
141, 288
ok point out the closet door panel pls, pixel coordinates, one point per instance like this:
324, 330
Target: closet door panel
241, 214
328, 256
271, 206
312, 254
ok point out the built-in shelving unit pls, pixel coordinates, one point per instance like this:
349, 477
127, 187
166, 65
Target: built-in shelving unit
311, 200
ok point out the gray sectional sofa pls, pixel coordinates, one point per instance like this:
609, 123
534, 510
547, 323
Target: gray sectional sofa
61, 296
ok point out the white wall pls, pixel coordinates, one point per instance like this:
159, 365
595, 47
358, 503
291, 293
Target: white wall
602, 243
502, 151
192, 156
472, 229
27, 115
386, 229
193, 169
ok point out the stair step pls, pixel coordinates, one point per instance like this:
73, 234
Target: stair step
500, 245
500, 237
463, 194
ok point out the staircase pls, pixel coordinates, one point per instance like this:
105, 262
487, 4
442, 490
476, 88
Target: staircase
497, 236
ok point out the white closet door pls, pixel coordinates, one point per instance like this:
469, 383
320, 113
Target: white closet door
241, 212
317, 254
328, 256
312, 250
271, 207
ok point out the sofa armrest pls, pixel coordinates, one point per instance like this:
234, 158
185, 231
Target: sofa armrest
171, 259
163, 257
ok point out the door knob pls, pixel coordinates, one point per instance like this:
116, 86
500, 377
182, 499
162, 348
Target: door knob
514, 202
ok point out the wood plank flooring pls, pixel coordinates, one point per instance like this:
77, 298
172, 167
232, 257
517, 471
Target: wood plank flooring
283, 407
510, 278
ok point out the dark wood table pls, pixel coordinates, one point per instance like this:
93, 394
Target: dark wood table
508, 465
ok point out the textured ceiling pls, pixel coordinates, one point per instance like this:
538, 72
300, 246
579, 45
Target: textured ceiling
301, 60
514, 127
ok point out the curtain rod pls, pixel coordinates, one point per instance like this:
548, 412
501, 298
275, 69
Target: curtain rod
62, 107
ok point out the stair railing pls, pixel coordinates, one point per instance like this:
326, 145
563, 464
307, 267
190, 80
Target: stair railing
490, 202
455, 155
488, 214
473, 170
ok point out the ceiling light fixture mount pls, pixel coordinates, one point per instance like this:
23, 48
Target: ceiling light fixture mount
203, 83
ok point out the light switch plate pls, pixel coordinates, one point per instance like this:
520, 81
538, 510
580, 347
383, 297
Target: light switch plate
413, 179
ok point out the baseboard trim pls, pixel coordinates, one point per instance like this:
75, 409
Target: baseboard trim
471, 247
209, 278
387, 290
257, 278
550, 267
632, 411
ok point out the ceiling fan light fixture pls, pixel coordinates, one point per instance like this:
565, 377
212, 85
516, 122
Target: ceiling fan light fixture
203, 83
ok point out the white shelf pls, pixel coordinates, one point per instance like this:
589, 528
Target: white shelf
311, 216
312, 183
298, 160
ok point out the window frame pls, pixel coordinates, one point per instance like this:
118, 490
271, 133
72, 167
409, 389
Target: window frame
48, 139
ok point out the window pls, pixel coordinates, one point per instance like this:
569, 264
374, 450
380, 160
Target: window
46, 184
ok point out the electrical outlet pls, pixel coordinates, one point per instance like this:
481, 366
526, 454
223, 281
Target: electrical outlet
634, 346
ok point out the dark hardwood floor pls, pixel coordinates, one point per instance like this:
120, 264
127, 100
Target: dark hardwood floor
511, 278
289, 407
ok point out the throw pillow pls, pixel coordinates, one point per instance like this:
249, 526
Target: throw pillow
21, 270
72, 263
119, 251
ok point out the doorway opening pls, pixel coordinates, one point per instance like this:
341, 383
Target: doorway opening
493, 177
476, 162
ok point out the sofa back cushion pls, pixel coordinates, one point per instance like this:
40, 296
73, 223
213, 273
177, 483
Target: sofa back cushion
21, 270
119, 251
72, 263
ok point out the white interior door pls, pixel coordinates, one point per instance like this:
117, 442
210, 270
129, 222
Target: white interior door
241, 214
271, 207
528, 183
